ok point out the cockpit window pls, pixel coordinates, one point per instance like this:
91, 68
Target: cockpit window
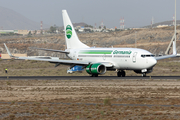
147, 56
142, 55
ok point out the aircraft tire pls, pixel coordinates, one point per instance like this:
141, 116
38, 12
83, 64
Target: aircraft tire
123, 73
119, 74
143, 74
94, 75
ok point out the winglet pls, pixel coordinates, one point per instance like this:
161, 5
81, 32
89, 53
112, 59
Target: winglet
8, 51
174, 48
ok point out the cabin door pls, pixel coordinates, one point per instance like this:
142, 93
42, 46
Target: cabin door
134, 57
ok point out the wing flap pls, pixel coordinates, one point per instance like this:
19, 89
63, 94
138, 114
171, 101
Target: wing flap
56, 61
67, 62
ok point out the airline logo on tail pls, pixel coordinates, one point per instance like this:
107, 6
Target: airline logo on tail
68, 31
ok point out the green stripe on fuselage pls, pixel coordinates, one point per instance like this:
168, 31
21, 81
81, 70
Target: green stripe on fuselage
95, 52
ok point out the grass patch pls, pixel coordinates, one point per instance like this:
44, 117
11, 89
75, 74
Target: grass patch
107, 101
8, 83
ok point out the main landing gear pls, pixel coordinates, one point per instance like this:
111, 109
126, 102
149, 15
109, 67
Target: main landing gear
121, 73
94, 75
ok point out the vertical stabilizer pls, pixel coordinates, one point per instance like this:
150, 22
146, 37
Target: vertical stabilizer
72, 40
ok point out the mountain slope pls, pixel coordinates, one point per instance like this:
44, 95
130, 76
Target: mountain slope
82, 24
11, 20
163, 23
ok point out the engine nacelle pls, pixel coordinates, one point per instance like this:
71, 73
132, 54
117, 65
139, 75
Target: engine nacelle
96, 68
139, 71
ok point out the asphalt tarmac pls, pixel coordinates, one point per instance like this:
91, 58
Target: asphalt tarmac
85, 77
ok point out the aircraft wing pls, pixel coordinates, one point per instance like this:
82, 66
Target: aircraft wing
61, 51
68, 62
165, 57
59, 61
169, 56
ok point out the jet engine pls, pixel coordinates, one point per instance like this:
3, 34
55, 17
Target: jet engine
96, 68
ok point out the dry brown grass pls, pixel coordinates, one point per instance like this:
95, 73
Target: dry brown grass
64, 99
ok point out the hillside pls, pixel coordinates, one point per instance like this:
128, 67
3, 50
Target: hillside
75, 24
11, 20
153, 40
170, 23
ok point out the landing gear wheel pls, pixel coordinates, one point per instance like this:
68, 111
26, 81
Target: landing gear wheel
143, 74
94, 75
121, 73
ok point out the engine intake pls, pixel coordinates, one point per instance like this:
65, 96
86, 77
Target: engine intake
96, 68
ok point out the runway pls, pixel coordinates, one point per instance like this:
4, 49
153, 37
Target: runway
86, 77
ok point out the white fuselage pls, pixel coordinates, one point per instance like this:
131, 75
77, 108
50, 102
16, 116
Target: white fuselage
121, 58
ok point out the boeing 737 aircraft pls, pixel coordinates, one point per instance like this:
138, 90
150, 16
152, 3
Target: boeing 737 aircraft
97, 61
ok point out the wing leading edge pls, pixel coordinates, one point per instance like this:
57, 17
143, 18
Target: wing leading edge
66, 62
165, 57
169, 56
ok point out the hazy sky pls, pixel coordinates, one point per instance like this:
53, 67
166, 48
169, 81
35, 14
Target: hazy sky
137, 13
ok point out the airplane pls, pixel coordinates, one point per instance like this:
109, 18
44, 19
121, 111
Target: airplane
96, 61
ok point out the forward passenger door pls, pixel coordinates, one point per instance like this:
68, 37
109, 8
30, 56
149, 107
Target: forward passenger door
134, 57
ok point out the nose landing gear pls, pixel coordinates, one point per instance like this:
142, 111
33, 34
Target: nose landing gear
143, 74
